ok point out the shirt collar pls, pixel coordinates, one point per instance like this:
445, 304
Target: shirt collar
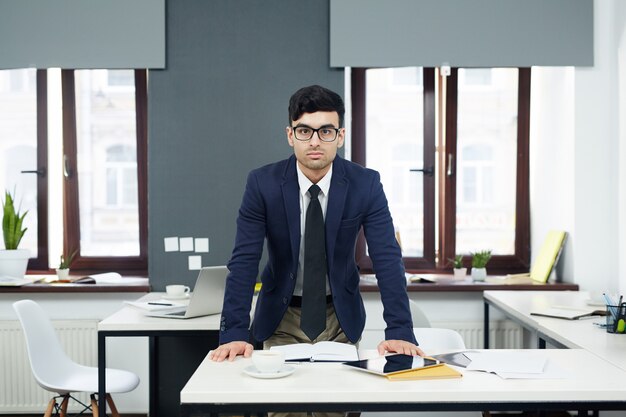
305, 183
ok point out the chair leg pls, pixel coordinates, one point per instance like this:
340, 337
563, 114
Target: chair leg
114, 412
50, 408
94, 406
64, 403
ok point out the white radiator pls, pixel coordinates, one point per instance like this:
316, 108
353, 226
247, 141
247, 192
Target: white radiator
502, 334
19, 393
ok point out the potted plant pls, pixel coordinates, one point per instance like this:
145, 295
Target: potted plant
479, 263
63, 271
13, 261
457, 264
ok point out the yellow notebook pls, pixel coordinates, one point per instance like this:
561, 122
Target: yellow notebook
440, 371
548, 256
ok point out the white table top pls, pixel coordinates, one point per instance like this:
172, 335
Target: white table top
131, 318
225, 383
571, 333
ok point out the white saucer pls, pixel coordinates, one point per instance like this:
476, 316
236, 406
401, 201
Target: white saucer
175, 297
286, 370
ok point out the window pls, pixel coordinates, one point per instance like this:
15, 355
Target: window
121, 177
23, 125
96, 192
452, 152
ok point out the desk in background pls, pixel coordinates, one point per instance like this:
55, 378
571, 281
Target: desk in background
172, 358
223, 388
446, 283
573, 334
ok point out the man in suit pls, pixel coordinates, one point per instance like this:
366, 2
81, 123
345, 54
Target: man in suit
277, 203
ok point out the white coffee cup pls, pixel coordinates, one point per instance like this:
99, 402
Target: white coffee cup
177, 290
268, 361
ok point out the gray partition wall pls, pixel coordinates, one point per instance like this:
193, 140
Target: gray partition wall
218, 110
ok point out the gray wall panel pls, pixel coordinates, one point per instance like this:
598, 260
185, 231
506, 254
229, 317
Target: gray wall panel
470, 33
219, 110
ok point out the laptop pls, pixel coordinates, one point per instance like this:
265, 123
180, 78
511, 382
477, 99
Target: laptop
207, 297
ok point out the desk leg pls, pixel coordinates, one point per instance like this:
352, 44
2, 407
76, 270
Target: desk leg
154, 377
541, 343
486, 326
102, 404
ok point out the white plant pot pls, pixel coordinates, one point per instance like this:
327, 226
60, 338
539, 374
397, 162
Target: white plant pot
460, 273
13, 262
479, 274
63, 274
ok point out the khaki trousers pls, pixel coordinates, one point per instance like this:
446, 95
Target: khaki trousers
289, 332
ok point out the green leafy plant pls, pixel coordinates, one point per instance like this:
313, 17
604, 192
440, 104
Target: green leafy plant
12, 222
457, 262
480, 258
66, 260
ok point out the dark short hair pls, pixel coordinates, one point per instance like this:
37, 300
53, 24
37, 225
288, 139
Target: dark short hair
315, 98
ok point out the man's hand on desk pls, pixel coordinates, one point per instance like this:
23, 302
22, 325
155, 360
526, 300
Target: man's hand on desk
399, 346
231, 350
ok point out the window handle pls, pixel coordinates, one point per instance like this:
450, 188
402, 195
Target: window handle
428, 171
450, 171
40, 172
67, 172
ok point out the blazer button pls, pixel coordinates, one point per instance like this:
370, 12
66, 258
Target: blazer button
285, 300
291, 275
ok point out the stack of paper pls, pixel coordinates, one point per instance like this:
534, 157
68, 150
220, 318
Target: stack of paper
514, 365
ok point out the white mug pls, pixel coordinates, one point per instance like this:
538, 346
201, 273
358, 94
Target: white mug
268, 361
177, 290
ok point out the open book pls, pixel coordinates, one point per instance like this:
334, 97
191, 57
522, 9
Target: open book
319, 352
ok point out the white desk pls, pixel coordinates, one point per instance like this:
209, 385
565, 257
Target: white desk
130, 322
223, 387
566, 333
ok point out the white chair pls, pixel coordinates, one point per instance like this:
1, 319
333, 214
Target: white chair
418, 316
54, 371
433, 340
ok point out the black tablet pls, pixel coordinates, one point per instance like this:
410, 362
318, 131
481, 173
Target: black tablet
392, 364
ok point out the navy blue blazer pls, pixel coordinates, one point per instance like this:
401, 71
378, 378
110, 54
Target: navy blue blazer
270, 211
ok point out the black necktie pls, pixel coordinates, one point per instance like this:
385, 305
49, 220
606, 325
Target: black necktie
313, 320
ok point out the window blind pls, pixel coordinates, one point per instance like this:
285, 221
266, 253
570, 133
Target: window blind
462, 33
82, 34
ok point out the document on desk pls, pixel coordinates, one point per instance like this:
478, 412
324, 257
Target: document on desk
503, 362
7, 281
156, 305
567, 313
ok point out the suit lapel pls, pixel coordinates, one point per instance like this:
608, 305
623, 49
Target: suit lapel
334, 210
291, 200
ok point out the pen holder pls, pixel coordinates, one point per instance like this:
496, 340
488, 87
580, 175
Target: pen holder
616, 318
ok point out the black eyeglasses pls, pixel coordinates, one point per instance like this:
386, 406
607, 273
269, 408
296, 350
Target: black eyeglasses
325, 133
